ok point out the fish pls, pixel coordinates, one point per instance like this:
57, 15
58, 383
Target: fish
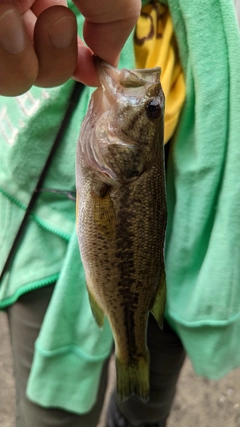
122, 214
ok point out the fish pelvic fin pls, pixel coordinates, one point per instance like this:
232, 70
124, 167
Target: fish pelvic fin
133, 377
77, 206
97, 312
160, 301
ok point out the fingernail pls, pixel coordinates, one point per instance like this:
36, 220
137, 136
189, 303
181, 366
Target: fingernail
12, 34
62, 32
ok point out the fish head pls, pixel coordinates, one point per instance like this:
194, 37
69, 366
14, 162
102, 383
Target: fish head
123, 129
136, 103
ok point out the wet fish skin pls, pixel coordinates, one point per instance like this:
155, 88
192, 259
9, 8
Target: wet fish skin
121, 213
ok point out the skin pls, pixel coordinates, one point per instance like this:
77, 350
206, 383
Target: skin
33, 50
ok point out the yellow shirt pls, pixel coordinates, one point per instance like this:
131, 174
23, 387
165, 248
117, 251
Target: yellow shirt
155, 45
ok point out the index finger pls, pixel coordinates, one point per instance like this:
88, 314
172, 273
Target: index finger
107, 28
105, 31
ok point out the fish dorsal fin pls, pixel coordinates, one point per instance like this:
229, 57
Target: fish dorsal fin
159, 302
96, 310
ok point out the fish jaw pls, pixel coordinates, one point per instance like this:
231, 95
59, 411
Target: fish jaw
112, 78
116, 83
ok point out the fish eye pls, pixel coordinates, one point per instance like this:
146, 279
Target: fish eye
153, 109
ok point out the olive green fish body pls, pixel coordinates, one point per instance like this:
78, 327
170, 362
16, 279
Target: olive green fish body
122, 215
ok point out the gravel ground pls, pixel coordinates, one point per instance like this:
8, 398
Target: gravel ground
199, 402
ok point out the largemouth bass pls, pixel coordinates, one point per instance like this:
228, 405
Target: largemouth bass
121, 213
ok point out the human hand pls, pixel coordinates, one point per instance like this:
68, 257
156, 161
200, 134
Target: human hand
39, 43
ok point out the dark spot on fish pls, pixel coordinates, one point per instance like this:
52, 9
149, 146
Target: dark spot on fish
131, 174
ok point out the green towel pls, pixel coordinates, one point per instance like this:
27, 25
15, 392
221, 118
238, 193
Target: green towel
70, 344
203, 183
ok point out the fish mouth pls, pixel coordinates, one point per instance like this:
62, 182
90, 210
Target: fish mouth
136, 81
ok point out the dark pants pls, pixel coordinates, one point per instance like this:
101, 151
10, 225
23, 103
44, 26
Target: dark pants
167, 356
25, 319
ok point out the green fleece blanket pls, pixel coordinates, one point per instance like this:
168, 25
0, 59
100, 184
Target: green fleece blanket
203, 241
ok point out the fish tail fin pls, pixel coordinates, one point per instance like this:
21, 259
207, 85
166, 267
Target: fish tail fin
133, 377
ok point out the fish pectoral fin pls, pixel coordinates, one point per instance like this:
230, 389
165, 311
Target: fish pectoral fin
97, 312
133, 377
160, 300
104, 215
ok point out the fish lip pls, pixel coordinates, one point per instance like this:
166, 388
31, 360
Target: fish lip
148, 75
144, 71
145, 76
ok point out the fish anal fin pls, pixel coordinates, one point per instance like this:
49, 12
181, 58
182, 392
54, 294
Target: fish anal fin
97, 312
160, 300
133, 377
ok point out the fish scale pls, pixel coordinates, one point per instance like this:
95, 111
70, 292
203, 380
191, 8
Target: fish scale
121, 213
